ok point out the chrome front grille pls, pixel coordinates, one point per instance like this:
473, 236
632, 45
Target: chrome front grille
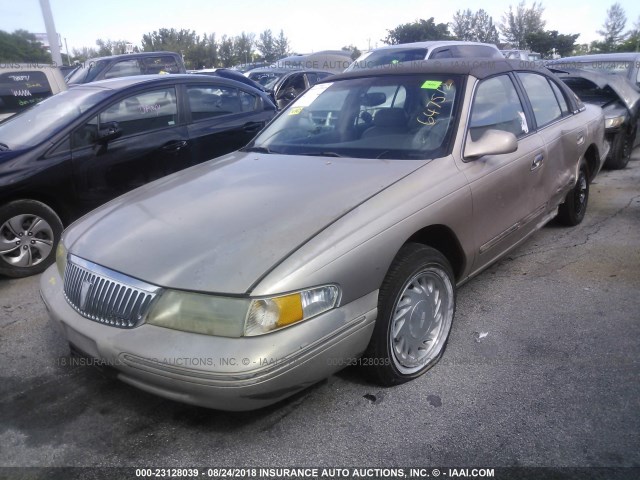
105, 296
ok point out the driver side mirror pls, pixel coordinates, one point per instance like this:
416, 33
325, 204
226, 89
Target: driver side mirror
492, 142
108, 131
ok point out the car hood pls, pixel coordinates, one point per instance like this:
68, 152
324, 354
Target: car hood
622, 87
222, 225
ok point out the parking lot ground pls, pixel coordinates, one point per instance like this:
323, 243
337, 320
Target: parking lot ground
542, 369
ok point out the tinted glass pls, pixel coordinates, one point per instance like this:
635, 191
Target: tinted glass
543, 101
214, 101
496, 106
143, 112
410, 116
19, 90
125, 68
560, 97
87, 72
390, 56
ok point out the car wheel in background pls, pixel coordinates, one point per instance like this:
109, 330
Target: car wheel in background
416, 306
572, 211
29, 235
621, 149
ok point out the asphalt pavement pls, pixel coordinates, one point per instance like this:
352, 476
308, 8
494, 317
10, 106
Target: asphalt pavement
541, 369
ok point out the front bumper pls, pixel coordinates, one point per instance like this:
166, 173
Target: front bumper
217, 372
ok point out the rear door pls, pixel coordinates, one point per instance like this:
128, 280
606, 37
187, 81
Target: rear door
222, 118
154, 143
562, 133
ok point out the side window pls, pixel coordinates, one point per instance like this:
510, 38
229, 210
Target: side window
312, 78
143, 112
543, 101
248, 101
86, 135
123, 69
560, 97
154, 65
443, 53
213, 101
496, 106
294, 82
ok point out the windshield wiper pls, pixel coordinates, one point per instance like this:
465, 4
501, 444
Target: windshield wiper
321, 154
257, 149
4, 147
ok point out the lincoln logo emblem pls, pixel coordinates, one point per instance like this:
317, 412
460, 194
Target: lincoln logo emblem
84, 291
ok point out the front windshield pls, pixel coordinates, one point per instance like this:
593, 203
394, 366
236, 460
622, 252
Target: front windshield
39, 122
388, 56
387, 116
86, 72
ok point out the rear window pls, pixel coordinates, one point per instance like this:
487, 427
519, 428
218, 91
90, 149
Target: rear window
19, 90
391, 56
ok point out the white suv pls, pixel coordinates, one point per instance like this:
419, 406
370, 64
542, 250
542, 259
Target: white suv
418, 51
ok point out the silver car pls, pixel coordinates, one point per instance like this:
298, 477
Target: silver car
338, 236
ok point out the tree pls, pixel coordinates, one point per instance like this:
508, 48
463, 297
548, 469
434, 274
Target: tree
281, 45
355, 52
112, 47
484, 30
612, 28
632, 42
462, 25
22, 46
226, 53
267, 46
172, 40
545, 42
517, 25
243, 47
417, 31
83, 54
474, 27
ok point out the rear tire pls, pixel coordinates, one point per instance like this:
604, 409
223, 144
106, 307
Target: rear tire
572, 211
29, 235
416, 306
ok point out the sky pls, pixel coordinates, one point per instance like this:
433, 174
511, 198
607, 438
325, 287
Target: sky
325, 25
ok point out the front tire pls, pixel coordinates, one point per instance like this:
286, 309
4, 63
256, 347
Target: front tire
572, 211
416, 306
29, 235
621, 149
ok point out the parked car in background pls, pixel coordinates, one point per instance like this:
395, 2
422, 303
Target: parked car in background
619, 99
83, 147
624, 64
228, 73
334, 61
285, 85
342, 229
418, 51
116, 66
23, 85
525, 55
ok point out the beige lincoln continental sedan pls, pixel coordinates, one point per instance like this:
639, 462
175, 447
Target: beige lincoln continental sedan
340, 232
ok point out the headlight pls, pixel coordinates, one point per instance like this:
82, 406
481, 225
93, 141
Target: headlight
269, 314
233, 317
613, 122
61, 258
200, 313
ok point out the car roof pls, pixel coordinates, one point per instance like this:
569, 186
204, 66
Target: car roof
124, 82
126, 56
480, 67
433, 44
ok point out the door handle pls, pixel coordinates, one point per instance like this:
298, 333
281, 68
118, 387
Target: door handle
252, 127
537, 161
174, 146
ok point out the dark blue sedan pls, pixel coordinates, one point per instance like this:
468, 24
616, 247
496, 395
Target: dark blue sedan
81, 148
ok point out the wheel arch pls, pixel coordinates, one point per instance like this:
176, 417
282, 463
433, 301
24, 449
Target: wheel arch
59, 207
592, 157
443, 239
